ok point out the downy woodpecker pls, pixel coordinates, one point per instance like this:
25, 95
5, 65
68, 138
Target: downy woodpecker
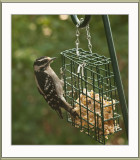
50, 86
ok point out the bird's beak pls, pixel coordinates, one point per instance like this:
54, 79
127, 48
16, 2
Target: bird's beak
52, 59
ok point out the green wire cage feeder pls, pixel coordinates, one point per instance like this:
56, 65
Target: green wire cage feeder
93, 87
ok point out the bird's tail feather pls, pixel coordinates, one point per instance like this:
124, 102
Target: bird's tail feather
69, 109
59, 112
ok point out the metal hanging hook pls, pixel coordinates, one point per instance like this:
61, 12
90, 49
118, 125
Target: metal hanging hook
77, 22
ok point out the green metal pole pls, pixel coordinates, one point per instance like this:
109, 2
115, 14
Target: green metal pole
117, 75
76, 21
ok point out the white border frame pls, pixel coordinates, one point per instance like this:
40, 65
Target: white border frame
9, 150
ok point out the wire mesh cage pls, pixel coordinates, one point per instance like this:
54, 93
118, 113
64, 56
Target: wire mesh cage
90, 88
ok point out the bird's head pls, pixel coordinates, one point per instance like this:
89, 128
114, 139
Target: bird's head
42, 63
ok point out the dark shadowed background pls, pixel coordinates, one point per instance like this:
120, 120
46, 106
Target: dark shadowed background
33, 121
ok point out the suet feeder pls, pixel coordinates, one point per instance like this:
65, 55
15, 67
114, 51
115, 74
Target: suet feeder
93, 87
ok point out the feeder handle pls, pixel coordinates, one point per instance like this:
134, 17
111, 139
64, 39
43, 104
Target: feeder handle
76, 21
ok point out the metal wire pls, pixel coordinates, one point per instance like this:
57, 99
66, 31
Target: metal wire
89, 38
95, 115
77, 40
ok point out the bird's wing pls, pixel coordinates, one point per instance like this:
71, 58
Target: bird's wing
46, 87
57, 101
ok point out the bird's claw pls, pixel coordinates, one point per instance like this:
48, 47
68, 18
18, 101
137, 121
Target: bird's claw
61, 74
61, 71
75, 114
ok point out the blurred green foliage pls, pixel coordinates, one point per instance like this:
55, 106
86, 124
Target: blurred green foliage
33, 121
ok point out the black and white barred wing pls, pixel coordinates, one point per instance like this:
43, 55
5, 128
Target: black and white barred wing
46, 88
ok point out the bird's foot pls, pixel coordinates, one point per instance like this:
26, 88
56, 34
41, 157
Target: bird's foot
74, 114
62, 72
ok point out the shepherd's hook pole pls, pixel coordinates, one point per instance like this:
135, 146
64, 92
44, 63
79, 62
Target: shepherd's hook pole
112, 52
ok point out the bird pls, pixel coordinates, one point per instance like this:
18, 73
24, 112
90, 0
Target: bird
50, 86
